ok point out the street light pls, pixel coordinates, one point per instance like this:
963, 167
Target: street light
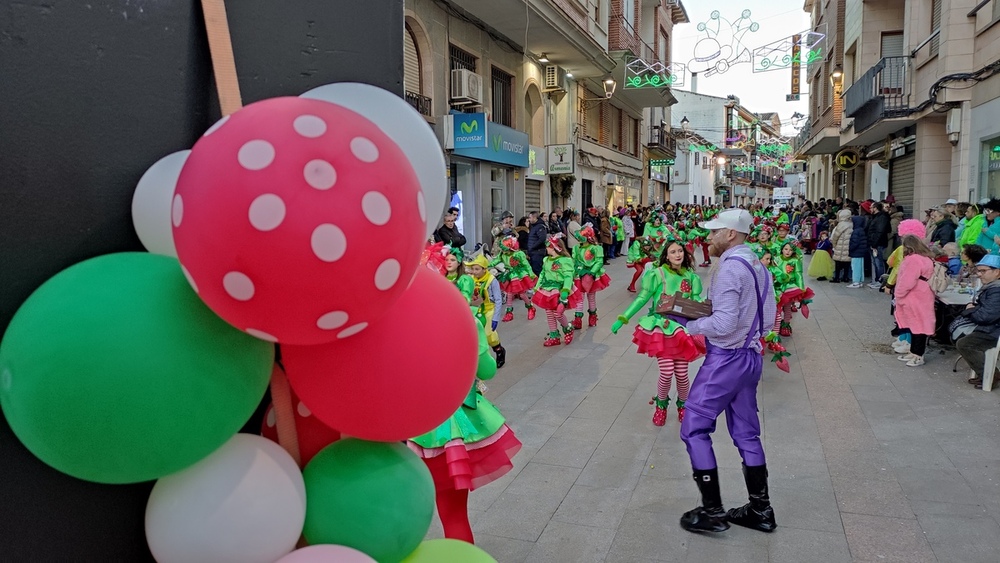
721, 160
609, 87
685, 124
837, 74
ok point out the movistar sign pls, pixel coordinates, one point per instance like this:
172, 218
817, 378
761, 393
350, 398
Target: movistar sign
470, 130
474, 137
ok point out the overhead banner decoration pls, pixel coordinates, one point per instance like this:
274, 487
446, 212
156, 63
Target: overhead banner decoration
802, 48
642, 74
722, 46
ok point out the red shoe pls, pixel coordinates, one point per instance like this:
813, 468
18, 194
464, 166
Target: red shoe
578, 321
568, 335
531, 313
785, 330
631, 289
552, 340
680, 410
660, 412
592, 319
704, 264
508, 316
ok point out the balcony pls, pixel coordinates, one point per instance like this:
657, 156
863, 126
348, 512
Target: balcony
643, 80
881, 93
623, 37
661, 143
420, 103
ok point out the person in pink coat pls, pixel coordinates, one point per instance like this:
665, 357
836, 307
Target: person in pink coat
915, 298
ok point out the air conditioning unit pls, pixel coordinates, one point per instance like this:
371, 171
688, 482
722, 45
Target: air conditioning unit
466, 87
555, 77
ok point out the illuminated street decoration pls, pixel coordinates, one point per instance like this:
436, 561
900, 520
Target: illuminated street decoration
722, 45
782, 53
643, 74
702, 148
774, 148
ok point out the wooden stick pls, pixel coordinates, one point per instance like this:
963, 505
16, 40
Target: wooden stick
220, 44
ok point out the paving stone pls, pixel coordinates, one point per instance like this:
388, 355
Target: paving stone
939, 485
878, 498
955, 538
504, 550
795, 545
646, 535
518, 516
540, 480
593, 506
570, 452
879, 538
571, 542
604, 403
612, 472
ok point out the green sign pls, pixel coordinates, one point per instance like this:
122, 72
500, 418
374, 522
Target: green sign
661, 162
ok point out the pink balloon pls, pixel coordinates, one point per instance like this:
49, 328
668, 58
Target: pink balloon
297, 220
326, 554
400, 378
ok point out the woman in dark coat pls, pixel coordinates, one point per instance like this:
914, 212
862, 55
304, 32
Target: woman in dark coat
944, 227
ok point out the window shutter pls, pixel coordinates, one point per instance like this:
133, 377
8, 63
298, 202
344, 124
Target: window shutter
935, 25
411, 63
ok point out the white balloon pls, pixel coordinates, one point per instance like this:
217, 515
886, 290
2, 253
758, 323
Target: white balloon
407, 127
244, 503
151, 204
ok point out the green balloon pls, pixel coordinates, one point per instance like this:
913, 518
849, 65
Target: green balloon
114, 371
448, 551
373, 496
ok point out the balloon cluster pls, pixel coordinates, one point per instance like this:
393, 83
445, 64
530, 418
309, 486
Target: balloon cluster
297, 221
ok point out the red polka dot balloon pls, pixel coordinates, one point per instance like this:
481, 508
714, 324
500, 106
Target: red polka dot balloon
298, 221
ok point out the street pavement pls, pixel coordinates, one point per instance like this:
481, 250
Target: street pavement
869, 460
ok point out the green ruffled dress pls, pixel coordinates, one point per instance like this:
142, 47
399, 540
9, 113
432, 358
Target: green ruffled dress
663, 336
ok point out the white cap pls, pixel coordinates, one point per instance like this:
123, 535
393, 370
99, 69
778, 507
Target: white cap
984, 201
738, 220
951, 202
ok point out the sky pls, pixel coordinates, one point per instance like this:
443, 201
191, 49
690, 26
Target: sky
758, 91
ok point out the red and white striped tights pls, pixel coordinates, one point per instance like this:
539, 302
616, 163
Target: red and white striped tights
591, 301
668, 369
556, 318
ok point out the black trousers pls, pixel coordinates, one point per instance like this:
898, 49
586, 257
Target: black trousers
973, 348
842, 271
918, 344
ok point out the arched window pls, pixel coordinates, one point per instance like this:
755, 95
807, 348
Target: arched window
412, 80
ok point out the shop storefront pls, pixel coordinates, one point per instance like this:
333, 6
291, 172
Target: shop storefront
487, 163
985, 160
534, 182
621, 190
659, 185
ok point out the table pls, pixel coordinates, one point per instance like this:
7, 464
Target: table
953, 297
948, 305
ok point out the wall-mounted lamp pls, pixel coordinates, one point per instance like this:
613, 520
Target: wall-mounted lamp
609, 87
838, 74
721, 161
543, 58
569, 75
685, 124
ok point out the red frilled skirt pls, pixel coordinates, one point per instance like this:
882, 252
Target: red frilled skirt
794, 295
597, 285
678, 346
459, 466
517, 286
548, 299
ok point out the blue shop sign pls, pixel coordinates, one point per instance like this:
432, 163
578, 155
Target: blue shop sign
505, 145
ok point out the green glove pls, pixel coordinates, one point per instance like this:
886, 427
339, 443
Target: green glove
616, 327
563, 296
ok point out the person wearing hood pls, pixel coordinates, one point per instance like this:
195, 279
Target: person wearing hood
841, 240
895, 218
857, 250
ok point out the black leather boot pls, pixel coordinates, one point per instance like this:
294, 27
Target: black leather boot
501, 355
710, 517
756, 514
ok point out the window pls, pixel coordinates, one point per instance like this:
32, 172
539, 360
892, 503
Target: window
697, 158
411, 62
502, 100
616, 128
628, 12
661, 48
935, 26
461, 59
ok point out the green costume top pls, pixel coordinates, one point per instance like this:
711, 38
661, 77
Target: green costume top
700, 233
620, 232
662, 281
477, 418
639, 250
790, 271
655, 232
759, 248
971, 231
779, 279
515, 265
557, 274
465, 284
589, 259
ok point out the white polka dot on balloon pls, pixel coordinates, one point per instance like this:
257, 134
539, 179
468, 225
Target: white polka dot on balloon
261, 335
272, 418
320, 174
238, 285
309, 126
332, 320
303, 410
267, 212
364, 150
215, 127
256, 155
329, 242
352, 330
177, 211
421, 206
190, 279
387, 274
376, 208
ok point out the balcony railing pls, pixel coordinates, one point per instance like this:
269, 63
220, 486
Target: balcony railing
420, 103
660, 138
803, 137
880, 93
623, 37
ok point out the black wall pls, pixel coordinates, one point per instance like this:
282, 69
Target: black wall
91, 94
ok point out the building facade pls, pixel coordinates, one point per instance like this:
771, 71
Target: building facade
539, 104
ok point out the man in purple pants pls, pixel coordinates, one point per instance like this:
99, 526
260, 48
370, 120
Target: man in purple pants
742, 305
